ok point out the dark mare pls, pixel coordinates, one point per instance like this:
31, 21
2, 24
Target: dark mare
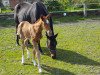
31, 13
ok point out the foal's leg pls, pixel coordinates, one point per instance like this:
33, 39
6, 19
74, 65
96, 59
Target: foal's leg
33, 58
37, 55
26, 44
23, 47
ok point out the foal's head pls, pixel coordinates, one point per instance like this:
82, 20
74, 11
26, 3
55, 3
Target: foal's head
45, 23
51, 38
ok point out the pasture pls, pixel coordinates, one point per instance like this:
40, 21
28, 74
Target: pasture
78, 50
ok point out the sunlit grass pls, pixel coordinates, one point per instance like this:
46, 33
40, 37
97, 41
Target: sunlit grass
78, 51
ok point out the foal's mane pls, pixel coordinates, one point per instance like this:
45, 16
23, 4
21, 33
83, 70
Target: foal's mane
38, 20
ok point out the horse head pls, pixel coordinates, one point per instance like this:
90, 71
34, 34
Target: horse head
51, 44
51, 38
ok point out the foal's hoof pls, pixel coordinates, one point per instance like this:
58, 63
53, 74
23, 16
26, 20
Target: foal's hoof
34, 62
22, 63
17, 44
40, 70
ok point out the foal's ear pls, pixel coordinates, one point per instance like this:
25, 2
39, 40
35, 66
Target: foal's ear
48, 16
56, 35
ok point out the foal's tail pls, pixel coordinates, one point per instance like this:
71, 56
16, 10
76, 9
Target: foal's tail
19, 29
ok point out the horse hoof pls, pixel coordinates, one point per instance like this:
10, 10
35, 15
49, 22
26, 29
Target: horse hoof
53, 57
40, 70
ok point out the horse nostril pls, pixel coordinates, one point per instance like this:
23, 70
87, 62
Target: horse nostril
53, 56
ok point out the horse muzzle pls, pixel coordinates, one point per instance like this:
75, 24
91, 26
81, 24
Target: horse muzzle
53, 54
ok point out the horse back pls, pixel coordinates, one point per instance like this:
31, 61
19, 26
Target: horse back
20, 12
24, 29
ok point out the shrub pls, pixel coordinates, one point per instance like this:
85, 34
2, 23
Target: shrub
54, 6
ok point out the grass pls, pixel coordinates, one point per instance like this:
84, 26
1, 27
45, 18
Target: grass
6, 10
78, 51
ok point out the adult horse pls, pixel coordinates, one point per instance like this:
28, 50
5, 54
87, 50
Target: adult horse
31, 13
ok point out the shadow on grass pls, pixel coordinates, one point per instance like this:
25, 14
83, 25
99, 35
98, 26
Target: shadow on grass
73, 57
7, 22
51, 70
55, 71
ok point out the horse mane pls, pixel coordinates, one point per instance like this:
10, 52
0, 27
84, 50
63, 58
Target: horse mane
40, 7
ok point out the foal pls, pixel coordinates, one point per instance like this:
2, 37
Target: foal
28, 31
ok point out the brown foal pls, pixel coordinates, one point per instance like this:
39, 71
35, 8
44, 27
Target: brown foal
28, 31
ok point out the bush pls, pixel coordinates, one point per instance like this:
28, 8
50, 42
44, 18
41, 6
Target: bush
93, 6
54, 6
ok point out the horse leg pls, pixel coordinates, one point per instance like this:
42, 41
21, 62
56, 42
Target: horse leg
23, 47
37, 55
33, 58
38, 59
39, 47
17, 36
28, 53
26, 44
17, 40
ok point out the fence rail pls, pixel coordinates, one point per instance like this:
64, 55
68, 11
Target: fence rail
84, 8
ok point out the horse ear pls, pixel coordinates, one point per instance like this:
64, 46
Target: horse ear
48, 16
43, 17
47, 36
56, 35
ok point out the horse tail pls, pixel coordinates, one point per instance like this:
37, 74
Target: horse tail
19, 29
16, 11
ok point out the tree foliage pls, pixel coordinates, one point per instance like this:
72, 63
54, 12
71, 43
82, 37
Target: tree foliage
57, 5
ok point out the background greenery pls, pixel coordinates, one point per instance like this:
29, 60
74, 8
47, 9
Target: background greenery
65, 5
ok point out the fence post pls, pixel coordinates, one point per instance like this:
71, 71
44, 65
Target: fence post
84, 10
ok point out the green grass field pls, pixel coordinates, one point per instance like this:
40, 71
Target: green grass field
78, 51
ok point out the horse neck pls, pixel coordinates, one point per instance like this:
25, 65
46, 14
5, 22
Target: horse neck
51, 26
51, 31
